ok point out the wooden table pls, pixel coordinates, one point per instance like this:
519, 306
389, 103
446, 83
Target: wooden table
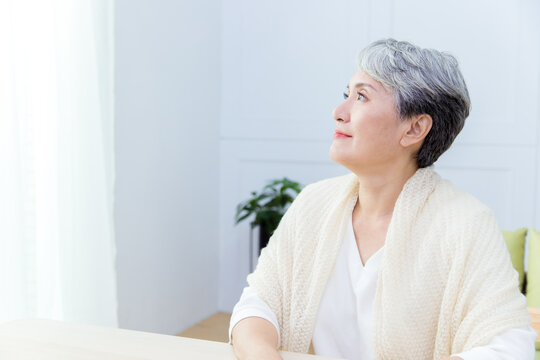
535, 321
54, 340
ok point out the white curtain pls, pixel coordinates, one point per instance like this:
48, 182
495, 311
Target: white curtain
57, 254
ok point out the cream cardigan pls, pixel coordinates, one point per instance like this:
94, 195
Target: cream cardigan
446, 282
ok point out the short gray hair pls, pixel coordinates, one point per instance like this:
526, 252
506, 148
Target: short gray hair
424, 81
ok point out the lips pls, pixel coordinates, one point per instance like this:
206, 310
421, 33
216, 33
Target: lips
340, 134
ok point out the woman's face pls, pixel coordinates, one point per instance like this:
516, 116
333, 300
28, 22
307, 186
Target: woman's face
368, 129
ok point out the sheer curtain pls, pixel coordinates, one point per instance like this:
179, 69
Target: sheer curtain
56, 161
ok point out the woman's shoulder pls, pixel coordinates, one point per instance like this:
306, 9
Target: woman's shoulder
324, 193
327, 190
459, 219
447, 200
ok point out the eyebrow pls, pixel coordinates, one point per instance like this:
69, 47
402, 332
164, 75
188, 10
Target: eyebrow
360, 84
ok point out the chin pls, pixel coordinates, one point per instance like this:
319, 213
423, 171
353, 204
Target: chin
345, 160
334, 155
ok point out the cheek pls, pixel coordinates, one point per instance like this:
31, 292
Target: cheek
388, 124
381, 132
378, 125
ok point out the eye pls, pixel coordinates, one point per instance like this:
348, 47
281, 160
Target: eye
359, 97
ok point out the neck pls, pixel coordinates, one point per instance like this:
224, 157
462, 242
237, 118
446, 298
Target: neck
378, 190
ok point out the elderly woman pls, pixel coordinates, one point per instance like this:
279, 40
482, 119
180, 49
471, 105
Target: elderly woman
390, 261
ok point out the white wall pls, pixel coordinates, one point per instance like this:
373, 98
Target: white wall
216, 97
167, 77
285, 65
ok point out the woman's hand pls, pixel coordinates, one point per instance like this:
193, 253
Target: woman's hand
452, 358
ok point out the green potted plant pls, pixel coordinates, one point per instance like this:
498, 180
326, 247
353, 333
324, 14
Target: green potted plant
268, 206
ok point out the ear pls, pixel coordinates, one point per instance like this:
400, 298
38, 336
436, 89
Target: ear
417, 128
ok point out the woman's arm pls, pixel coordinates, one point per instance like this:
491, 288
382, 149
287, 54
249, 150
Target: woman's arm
489, 306
513, 344
254, 327
255, 338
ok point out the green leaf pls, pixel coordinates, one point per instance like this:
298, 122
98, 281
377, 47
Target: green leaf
269, 205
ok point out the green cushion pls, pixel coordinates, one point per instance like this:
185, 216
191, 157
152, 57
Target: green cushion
515, 241
533, 271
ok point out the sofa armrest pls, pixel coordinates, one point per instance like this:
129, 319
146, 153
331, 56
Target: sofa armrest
535, 320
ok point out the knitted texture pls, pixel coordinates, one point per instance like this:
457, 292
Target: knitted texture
446, 282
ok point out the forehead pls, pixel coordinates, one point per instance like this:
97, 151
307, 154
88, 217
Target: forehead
364, 80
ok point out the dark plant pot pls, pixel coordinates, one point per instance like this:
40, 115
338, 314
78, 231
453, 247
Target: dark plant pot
263, 238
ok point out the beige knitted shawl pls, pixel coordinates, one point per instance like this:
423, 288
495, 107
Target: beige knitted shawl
446, 283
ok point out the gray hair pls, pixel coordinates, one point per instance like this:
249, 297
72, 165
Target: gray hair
424, 81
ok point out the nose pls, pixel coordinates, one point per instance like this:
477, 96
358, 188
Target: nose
342, 112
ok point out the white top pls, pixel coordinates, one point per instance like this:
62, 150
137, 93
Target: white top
344, 323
